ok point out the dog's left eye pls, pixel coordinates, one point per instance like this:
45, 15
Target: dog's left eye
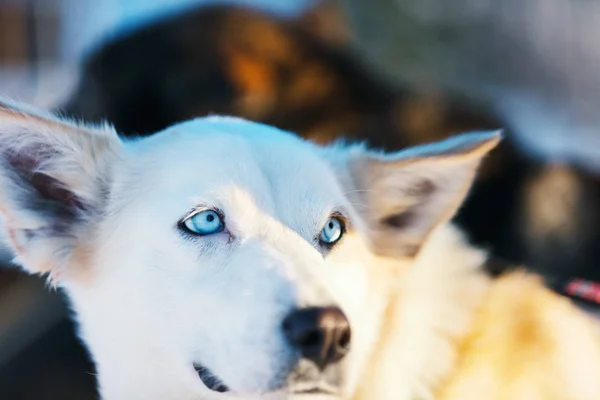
205, 222
332, 232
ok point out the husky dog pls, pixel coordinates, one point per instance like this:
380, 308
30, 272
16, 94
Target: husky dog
225, 259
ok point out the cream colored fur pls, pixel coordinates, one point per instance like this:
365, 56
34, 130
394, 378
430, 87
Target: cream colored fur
454, 333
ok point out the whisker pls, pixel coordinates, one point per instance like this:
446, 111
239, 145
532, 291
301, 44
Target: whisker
358, 190
361, 205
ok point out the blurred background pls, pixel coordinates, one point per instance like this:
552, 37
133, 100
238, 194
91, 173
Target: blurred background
393, 73
43, 41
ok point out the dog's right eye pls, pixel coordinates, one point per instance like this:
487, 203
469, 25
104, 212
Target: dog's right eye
203, 223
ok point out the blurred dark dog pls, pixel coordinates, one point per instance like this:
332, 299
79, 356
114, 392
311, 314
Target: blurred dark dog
303, 76
300, 75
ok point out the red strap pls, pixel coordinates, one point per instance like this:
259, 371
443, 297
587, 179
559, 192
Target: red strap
583, 289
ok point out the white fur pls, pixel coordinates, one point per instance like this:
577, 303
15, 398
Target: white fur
152, 301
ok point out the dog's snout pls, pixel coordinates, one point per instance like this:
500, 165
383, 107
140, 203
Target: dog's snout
320, 334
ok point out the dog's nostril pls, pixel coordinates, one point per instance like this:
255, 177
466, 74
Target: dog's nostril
320, 334
345, 339
313, 339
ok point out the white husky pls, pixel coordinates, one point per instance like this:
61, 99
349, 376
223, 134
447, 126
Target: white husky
223, 259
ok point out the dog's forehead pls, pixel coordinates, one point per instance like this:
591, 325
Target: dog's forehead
280, 171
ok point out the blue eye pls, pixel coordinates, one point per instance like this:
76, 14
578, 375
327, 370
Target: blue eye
332, 232
205, 222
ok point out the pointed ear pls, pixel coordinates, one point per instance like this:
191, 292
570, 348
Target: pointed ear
53, 180
404, 196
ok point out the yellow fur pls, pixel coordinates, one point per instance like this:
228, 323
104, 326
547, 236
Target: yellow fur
527, 343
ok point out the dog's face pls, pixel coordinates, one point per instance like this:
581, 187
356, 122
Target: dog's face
221, 258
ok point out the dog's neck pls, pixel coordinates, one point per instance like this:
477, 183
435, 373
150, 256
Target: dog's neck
426, 320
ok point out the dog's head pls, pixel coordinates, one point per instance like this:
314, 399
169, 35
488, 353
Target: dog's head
220, 258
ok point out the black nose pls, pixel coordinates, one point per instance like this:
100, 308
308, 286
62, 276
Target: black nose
320, 334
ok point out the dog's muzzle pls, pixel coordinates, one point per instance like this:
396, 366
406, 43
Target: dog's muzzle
320, 336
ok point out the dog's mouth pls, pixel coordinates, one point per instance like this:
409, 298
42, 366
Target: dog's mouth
210, 380
214, 383
317, 390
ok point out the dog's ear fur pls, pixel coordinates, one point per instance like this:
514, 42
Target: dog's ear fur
53, 178
404, 196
